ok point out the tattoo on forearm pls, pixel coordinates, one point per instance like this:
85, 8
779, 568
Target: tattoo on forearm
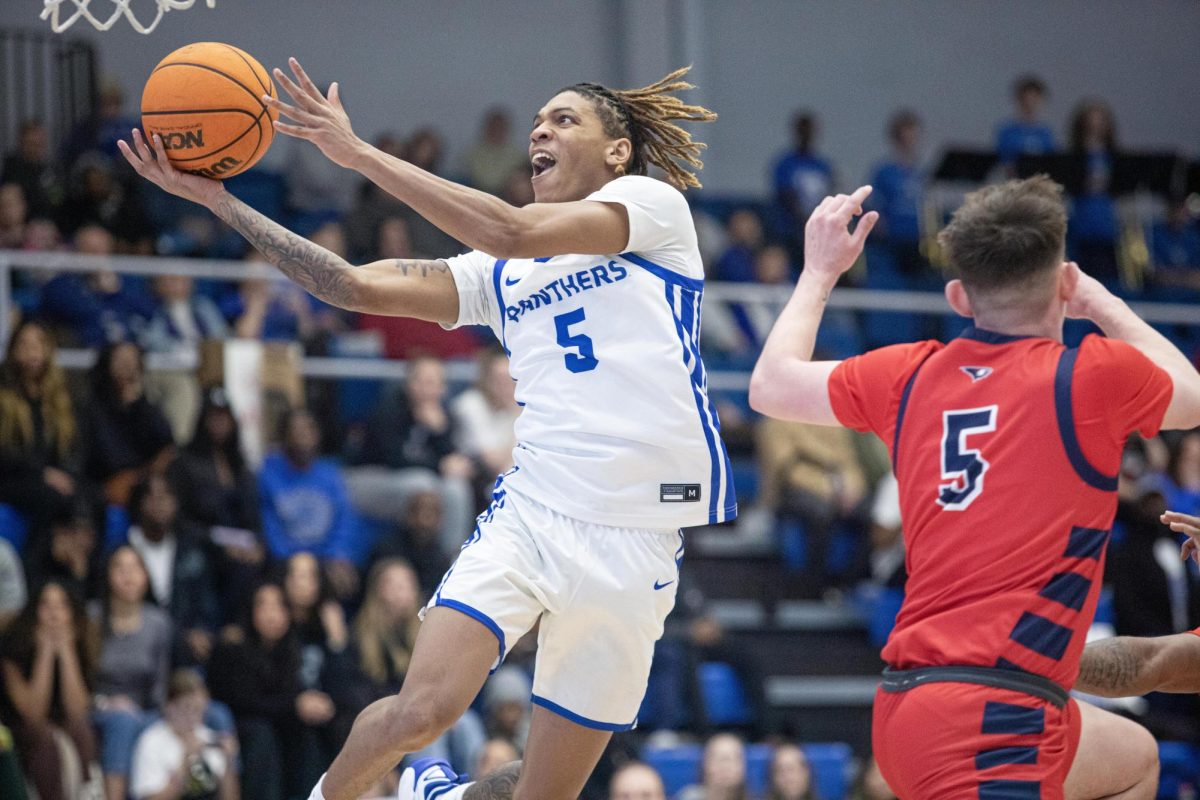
1111, 666
419, 268
498, 785
319, 271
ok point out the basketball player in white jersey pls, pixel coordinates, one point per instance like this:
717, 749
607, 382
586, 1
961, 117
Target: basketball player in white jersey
594, 290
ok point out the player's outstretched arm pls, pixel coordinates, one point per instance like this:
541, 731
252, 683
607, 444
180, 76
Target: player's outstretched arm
1118, 321
1131, 666
396, 287
475, 218
787, 383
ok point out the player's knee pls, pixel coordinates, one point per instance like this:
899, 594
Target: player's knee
1144, 749
417, 721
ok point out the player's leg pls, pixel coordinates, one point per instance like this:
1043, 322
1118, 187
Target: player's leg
559, 757
1117, 758
451, 659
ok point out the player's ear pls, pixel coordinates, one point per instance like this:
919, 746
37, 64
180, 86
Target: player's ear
619, 151
959, 300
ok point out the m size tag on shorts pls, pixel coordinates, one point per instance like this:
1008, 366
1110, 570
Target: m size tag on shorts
679, 493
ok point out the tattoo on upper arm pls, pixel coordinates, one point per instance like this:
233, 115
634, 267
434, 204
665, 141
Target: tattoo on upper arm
1111, 666
322, 273
421, 268
498, 785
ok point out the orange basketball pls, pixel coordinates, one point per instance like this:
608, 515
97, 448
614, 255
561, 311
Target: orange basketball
204, 100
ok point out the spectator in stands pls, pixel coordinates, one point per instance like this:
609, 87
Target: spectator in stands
128, 437
14, 214
179, 756
791, 775
1092, 231
424, 149
387, 624
392, 239
494, 157
180, 322
1182, 486
812, 476
887, 536
518, 188
636, 781
68, 560
42, 236
13, 594
1175, 247
95, 197
269, 310
411, 445
745, 234
506, 702
801, 179
899, 183
494, 754
373, 204
315, 185
39, 439
1027, 133
280, 724
418, 540
177, 560
98, 308
722, 772
135, 657
101, 131
485, 414
870, 785
305, 506
46, 665
31, 167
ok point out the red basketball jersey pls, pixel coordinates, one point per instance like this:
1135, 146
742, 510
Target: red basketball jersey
1007, 451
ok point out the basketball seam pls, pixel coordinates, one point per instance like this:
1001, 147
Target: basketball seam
225, 75
253, 72
227, 145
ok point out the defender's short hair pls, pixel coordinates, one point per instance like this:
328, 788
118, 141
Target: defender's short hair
1005, 234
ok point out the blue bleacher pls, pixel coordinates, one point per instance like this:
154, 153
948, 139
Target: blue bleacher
1179, 767
723, 695
13, 527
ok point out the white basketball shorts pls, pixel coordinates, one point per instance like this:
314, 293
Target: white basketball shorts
602, 594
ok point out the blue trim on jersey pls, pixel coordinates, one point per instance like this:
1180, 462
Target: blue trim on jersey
542, 260
1068, 589
1066, 426
669, 276
1086, 543
497, 273
1012, 719
578, 719
990, 337
1002, 756
1042, 636
900, 415
712, 429
480, 617
1003, 789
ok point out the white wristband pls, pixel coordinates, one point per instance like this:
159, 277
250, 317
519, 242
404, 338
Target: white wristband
316, 792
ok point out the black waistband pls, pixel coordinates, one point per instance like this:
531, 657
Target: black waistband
901, 680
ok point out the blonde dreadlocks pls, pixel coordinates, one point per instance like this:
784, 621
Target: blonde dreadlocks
645, 116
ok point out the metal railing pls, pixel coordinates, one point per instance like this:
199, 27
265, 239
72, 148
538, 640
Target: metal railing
770, 299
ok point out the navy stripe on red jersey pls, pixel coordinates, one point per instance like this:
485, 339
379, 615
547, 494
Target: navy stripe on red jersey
1042, 636
1069, 589
1010, 718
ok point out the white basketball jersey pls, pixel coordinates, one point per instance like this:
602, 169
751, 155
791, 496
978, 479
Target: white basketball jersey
616, 425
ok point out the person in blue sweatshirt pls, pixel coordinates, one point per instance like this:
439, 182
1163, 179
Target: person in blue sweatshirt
305, 507
1027, 133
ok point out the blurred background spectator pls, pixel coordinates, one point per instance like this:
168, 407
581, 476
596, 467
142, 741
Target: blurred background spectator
494, 156
1026, 133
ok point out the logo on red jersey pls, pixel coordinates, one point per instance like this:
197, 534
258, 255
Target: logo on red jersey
977, 373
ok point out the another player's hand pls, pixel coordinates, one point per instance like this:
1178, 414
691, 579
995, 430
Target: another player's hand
318, 118
829, 247
1088, 293
146, 162
1190, 527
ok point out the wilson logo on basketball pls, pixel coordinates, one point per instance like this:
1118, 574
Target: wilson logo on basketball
222, 167
182, 141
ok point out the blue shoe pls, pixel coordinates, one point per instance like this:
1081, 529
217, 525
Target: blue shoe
428, 779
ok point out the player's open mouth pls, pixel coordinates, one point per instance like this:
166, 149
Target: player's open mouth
542, 163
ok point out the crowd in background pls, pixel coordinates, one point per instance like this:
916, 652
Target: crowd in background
172, 612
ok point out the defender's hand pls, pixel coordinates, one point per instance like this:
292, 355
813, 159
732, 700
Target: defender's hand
1088, 295
317, 118
1190, 527
159, 171
829, 247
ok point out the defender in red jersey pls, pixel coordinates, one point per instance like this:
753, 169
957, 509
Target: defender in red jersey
1006, 445
1129, 666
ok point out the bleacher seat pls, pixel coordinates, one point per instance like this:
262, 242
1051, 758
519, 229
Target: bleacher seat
678, 766
883, 615
116, 527
830, 762
1179, 766
13, 527
723, 695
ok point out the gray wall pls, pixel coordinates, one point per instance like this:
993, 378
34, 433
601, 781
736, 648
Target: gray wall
403, 63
